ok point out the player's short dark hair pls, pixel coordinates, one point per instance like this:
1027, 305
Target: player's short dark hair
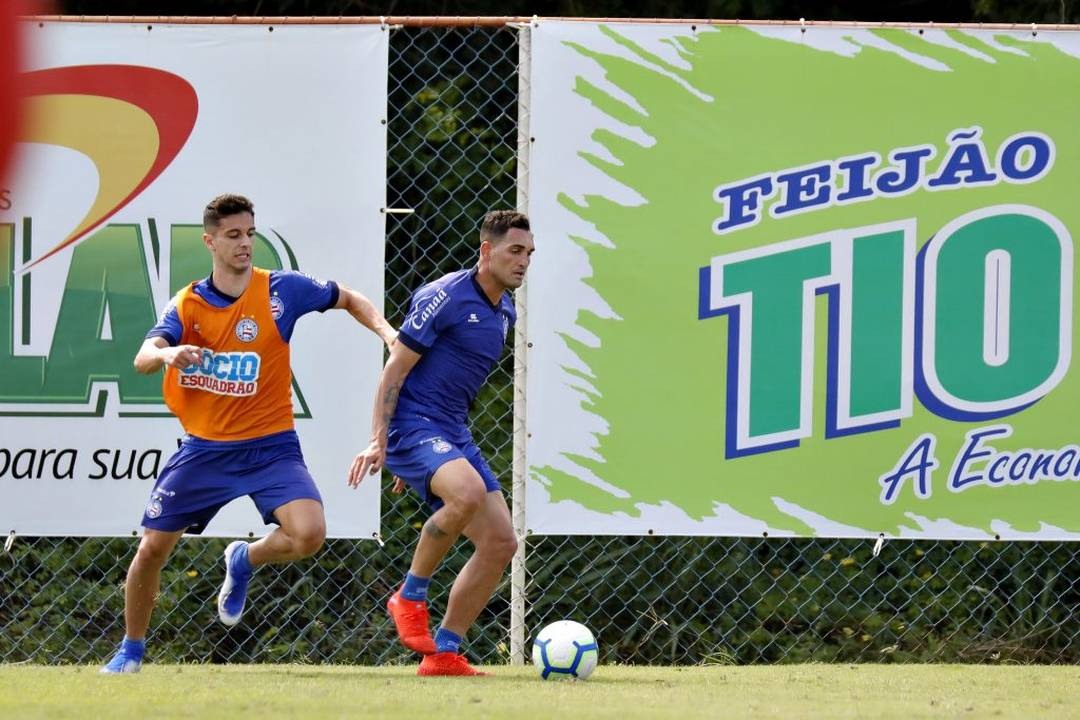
224, 206
499, 222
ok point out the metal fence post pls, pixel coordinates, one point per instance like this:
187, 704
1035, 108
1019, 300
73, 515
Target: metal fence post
521, 348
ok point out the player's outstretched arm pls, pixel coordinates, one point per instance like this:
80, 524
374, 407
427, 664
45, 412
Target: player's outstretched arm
370, 461
156, 353
365, 313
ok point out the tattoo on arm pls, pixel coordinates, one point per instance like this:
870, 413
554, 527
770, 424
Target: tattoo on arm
389, 403
434, 530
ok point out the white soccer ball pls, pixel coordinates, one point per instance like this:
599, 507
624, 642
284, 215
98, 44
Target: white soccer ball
565, 650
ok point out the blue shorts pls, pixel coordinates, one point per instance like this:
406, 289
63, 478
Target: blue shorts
416, 449
202, 477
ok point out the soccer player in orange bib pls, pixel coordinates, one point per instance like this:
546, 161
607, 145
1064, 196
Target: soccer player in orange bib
224, 344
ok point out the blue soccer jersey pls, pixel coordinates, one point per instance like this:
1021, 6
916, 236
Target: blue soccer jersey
460, 335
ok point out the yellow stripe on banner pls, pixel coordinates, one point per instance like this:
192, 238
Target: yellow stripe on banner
118, 137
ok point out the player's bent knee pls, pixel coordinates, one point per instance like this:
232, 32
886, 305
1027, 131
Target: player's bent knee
309, 541
460, 488
504, 547
152, 554
497, 544
463, 499
468, 500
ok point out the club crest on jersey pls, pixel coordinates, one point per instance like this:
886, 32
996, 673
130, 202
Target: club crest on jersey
153, 508
247, 330
277, 307
440, 446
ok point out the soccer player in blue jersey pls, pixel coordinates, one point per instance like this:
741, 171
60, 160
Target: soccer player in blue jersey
224, 344
453, 335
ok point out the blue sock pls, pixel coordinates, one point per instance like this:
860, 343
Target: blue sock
446, 641
415, 588
133, 648
239, 563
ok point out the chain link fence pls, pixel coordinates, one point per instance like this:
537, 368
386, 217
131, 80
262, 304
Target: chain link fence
664, 600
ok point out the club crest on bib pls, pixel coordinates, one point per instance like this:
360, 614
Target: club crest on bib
247, 330
277, 307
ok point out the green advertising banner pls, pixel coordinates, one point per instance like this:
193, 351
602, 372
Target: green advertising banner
802, 282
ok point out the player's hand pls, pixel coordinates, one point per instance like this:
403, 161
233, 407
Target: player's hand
181, 356
399, 486
368, 462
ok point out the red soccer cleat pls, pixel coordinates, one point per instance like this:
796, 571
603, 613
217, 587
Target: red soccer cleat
446, 663
411, 620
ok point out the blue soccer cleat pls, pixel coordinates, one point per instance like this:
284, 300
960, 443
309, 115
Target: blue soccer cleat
234, 590
128, 659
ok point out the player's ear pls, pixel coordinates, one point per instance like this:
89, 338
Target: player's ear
208, 240
485, 249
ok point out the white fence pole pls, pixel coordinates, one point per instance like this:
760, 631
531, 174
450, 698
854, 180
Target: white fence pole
521, 350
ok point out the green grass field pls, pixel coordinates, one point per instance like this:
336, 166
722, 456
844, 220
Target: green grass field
268, 692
